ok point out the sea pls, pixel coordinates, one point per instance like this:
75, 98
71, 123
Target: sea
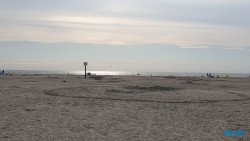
178, 74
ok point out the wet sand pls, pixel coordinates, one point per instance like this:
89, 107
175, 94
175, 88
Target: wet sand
112, 108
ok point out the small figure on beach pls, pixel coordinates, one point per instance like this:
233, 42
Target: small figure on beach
171, 76
210, 75
3, 72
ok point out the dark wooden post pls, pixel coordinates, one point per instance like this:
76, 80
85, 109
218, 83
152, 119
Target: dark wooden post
85, 71
85, 64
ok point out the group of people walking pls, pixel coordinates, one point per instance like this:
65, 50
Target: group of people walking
212, 76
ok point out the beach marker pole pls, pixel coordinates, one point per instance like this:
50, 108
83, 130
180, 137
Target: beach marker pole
85, 64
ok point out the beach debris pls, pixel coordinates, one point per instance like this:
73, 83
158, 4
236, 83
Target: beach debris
29, 110
96, 77
117, 91
64, 81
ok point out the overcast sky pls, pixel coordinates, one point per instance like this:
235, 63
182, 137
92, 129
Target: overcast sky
130, 35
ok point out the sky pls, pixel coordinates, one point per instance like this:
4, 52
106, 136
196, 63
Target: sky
126, 35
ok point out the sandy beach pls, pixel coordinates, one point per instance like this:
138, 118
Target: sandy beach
124, 108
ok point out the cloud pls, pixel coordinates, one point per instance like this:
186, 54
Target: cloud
191, 46
238, 48
116, 30
193, 23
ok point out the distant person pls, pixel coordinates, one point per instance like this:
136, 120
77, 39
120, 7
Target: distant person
3, 72
212, 76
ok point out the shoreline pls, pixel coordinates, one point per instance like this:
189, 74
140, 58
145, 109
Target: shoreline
120, 73
89, 76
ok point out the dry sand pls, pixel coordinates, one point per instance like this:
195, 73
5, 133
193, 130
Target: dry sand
117, 108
